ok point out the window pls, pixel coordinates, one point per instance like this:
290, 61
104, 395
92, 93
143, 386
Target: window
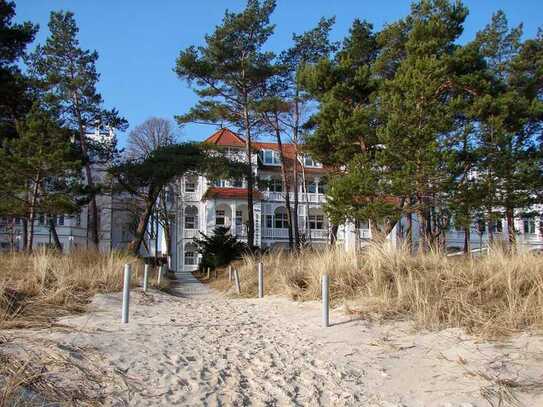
60, 220
271, 157
309, 162
312, 187
239, 218
220, 183
316, 222
190, 258
281, 221
219, 217
236, 183
191, 218
276, 185
41, 219
529, 226
190, 185
78, 219
269, 221
321, 188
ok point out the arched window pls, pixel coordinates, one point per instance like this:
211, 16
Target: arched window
191, 217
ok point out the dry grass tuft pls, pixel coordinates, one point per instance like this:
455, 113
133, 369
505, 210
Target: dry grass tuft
489, 295
37, 288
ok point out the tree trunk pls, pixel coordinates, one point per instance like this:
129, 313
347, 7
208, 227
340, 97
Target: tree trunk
510, 226
409, 232
466, 239
32, 213
250, 183
139, 235
333, 235
286, 186
92, 225
24, 237
54, 234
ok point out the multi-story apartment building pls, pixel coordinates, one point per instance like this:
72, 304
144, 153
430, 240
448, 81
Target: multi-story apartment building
202, 205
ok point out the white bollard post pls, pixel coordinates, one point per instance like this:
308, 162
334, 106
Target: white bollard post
325, 301
260, 280
230, 273
236, 280
208, 275
145, 277
126, 293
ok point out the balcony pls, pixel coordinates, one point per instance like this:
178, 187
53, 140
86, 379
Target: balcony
190, 233
302, 197
282, 234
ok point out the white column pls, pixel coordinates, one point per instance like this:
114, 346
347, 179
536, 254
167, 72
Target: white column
233, 218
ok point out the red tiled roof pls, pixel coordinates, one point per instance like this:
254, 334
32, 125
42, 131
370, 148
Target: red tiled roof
226, 137
230, 193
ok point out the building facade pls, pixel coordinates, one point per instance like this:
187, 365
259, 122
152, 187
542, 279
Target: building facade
199, 205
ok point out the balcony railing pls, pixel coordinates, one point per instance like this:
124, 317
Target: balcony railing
302, 197
275, 233
190, 233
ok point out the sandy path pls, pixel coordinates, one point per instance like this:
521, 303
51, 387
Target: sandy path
199, 348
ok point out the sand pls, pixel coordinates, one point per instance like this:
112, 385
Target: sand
198, 347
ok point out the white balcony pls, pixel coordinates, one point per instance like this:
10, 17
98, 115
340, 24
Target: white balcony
282, 234
190, 233
190, 196
302, 197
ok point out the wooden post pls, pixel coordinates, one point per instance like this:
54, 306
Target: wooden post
230, 273
208, 275
145, 277
215, 273
236, 280
126, 293
260, 280
325, 301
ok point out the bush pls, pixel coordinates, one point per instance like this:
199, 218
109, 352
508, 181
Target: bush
219, 249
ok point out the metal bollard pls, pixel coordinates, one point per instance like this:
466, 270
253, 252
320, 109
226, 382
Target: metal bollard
126, 293
325, 301
260, 280
145, 277
236, 280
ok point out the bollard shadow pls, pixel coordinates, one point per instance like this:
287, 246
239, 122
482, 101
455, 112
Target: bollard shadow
348, 321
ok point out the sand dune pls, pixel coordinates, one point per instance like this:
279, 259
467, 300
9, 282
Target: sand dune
200, 348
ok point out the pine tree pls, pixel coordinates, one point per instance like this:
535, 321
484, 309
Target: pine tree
146, 178
283, 105
510, 119
14, 38
39, 171
68, 78
228, 74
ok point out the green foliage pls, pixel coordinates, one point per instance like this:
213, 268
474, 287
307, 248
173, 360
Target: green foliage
14, 100
40, 169
219, 249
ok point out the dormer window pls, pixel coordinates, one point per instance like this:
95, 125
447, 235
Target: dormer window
271, 157
309, 162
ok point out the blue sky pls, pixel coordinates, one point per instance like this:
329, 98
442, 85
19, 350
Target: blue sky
138, 40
